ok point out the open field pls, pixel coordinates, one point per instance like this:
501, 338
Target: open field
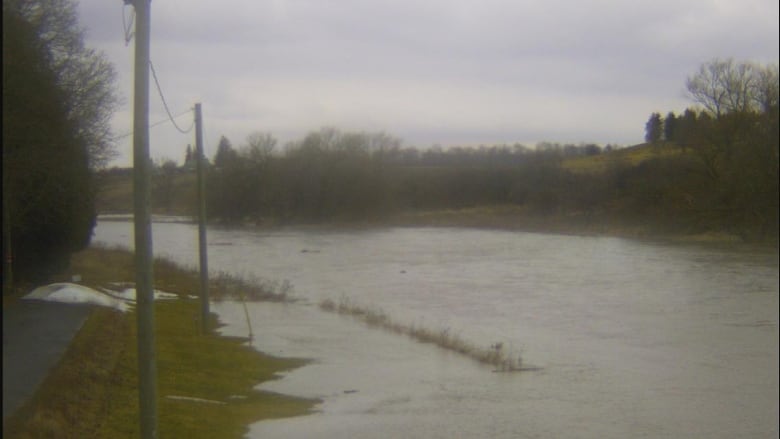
115, 194
632, 156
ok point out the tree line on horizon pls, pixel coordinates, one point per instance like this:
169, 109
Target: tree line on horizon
336, 175
719, 171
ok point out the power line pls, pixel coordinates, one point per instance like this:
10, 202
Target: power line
129, 33
122, 136
165, 104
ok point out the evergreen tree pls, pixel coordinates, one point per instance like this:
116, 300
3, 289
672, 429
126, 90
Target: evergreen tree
47, 189
686, 126
654, 128
670, 127
225, 153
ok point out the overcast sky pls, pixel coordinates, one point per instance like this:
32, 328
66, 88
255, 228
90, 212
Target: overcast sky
454, 72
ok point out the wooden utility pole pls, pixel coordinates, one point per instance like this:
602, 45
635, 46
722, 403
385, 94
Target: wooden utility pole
8, 265
147, 361
8, 268
204, 263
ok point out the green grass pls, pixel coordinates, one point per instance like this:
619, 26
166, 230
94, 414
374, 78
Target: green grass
101, 267
632, 156
213, 368
71, 401
93, 391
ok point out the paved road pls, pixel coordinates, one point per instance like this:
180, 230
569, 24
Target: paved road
35, 335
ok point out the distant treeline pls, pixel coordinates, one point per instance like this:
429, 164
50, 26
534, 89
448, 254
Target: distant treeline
710, 169
335, 175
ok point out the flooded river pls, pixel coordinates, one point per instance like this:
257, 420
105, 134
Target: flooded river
632, 338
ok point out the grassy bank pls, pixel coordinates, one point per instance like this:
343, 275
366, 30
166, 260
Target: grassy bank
205, 382
582, 223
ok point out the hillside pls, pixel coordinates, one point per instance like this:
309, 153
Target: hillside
631, 156
174, 194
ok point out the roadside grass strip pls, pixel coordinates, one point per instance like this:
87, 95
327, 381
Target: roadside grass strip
206, 384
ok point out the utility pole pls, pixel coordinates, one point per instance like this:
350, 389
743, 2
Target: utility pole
8, 271
204, 263
8, 264
147, 361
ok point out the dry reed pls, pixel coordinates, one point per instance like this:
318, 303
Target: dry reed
495, 355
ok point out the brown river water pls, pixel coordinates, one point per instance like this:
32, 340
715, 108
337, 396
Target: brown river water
641, 339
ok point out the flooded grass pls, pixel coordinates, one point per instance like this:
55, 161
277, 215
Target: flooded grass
199, 379
117, 265
206, 383
494, 355
251, 289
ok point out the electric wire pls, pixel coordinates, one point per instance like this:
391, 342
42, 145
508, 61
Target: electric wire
129, 33
165, 104
159, 122
205, 138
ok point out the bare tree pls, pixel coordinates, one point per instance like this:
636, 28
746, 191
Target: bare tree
85, 75
259, 147
766, 88
724, 86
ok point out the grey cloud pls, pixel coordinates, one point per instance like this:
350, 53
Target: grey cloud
434, 69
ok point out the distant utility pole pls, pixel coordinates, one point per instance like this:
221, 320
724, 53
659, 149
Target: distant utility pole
147, 361
204, 263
